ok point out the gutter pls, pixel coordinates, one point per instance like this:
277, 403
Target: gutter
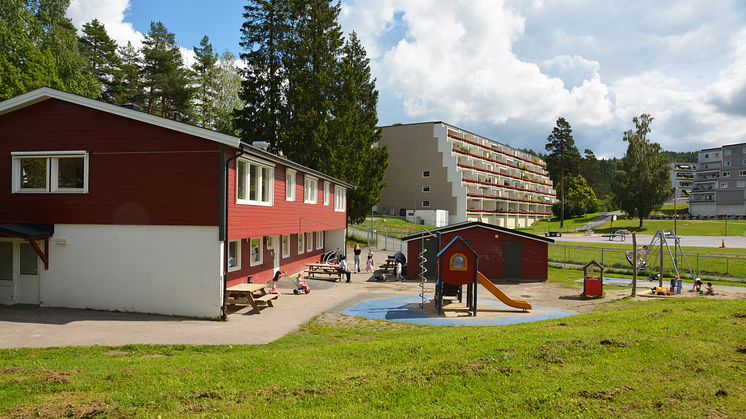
224, 309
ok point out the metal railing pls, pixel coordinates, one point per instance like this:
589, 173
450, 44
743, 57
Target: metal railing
702, 264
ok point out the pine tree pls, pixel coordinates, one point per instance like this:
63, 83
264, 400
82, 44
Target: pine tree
563, 158
205, 77
164, 76
353, 131
591, 171
265, 38
100, 51
642, 184
126, 85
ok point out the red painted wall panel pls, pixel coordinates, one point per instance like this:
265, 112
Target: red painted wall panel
534, 254
138, 173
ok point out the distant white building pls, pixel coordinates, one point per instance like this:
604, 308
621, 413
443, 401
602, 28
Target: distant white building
720, 182
682, 179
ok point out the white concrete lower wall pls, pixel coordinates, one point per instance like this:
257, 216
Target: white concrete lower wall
702, 209
173, 270
730, 209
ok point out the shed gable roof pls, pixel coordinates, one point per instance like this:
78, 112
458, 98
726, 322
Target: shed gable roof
476, 224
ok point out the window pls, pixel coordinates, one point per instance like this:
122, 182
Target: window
707, 156
234, 255
311, 190
309, 241
707, 166
340, 200
290, 185
326, 193
55, 171
254, 183
270, 243
742, 173
425, 204
727, 152
425, 189
286, 246
717, 154
727, 163
723, 185
726, 174
256, 251
741, 184
319, 240
426, 174
300, 243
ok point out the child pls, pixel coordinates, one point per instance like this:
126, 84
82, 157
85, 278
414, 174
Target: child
273, 289
709, 290
302, 285
398, 271
369, 263
697, 285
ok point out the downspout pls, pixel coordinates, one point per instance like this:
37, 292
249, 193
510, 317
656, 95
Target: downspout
225, 229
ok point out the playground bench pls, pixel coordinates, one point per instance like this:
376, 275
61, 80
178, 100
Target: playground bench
617, 233
253, 294
323, 271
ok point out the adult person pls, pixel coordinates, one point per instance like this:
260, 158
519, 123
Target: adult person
342, 268
357, 251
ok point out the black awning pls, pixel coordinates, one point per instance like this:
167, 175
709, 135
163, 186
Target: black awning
28, 231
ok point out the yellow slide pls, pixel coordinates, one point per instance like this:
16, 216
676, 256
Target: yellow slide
501, 295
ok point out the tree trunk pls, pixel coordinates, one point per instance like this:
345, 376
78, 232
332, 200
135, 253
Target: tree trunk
641, 221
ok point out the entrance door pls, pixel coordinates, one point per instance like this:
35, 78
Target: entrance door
28, 274
512, 263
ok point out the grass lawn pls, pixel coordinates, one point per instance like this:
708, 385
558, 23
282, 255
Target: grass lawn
678, 358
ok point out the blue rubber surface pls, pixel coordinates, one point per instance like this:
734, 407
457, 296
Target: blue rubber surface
407, 309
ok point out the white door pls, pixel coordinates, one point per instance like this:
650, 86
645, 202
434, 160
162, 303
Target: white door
28, 274
277, 249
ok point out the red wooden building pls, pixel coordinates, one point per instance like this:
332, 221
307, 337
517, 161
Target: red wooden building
504, 254
110, 208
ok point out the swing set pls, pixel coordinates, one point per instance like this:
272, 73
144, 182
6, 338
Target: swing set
649, 259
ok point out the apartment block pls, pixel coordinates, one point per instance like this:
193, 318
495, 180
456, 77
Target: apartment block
437, 166
720, 182
682, 179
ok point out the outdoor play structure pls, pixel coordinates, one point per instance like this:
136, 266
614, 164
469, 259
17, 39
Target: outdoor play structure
656, 253
458, 265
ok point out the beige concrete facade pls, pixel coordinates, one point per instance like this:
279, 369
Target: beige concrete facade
436, 166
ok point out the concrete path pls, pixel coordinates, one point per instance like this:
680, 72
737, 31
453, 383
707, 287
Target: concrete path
737, 242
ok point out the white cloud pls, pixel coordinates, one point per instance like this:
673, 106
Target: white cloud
111, 13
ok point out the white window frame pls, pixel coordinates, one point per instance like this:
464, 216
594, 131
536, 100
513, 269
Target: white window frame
727, 152
319, 240
286, 246
741, 184
742, 173
723, 185
426, 204
290, 184
301, 243
270, 243
262, 166
727, 163
340, 199
326, 193
707, 156
258, 258
309, 241
425, 174
726, 174
717, 154
310, 190
426, 189
52, 171
237, 256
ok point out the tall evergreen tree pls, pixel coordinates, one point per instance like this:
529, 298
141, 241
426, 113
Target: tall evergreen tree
265, 39
591, 171
642, 184
100, 52
164, 75
353, 131
126, 86
562, 158
204, 69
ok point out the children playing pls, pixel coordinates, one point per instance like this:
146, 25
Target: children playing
709, 290
301, 285
369, 263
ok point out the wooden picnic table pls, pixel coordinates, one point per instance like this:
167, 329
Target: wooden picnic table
390, 263
618, 233
253, 294
323, 271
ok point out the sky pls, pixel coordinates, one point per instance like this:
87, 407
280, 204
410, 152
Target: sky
507, 69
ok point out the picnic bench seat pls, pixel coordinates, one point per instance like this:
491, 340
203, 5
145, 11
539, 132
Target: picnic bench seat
266, 299
323, 271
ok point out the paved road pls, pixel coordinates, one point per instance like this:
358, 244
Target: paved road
698, 241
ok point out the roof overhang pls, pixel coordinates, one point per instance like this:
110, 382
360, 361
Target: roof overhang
28, 231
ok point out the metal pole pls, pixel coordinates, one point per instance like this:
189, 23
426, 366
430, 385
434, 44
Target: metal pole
634, 264
660, 274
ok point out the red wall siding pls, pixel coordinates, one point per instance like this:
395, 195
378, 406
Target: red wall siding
138, 173
284, 217
534, 253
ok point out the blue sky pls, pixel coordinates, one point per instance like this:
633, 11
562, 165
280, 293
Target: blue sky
507, 69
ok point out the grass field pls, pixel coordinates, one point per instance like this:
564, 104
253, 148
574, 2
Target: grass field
672, 358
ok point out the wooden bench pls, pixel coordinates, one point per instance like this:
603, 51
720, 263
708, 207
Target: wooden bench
323, 271
253, 294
